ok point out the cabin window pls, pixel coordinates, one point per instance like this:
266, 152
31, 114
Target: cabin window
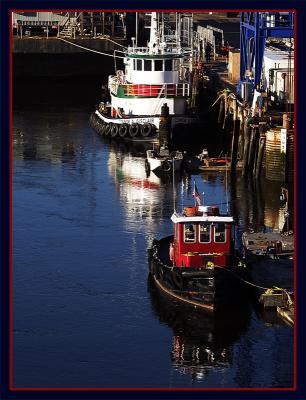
204, 233
168, 65
139, 65
220, 232
158, 65
189, 233
148, 65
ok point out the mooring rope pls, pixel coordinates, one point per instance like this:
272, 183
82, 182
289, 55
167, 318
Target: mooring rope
86, 48
110, 40
267, 290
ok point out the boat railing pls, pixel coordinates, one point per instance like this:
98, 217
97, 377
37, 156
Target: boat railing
172, 49
165, 90
142, 90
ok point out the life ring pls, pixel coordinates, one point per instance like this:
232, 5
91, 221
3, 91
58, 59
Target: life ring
123, 130
133, 130
166, 166
146, 129
114, 130
108, 129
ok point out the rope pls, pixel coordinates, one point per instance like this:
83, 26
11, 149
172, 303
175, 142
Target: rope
86, 48
267, 290
106, 38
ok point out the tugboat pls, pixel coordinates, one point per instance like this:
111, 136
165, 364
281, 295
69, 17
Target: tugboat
154, 75
197, 264
163, 161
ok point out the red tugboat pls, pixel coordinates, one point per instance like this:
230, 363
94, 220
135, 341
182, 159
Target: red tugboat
197, 265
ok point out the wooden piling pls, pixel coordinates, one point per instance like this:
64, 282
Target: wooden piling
256, 147
235, 139
261, 149
251, 155
247, 135
221, 111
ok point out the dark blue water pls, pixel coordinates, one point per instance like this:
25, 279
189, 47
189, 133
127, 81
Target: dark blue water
84, 312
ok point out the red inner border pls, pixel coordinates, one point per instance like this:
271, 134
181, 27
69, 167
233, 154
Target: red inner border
294, 11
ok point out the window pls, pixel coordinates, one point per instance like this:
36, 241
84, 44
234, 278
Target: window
139, 65
189, 233
219, 232
134, 64
148, 65
204, 233
158, 65
168, 65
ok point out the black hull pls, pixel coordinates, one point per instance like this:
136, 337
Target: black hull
207, 288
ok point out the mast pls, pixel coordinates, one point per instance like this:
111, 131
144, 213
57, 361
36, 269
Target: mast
153, 30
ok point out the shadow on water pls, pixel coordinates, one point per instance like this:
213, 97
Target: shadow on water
201, 343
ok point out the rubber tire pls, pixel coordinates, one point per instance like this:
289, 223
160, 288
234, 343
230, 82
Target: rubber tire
108, 129
166, 166
103, 127
123, 130
177, 280
114, 130
133, 130
146, 130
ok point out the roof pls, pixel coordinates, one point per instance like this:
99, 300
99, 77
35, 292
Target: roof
176, 218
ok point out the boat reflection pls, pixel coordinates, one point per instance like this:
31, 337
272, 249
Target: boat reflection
201, 343
147, 199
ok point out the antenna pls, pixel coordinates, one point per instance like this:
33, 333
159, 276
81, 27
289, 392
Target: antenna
173, 188
226, 194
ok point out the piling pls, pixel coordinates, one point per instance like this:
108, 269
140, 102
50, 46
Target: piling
261, 149
252, 148
221, 111
247, 135
165, 126
235, 139
256, 148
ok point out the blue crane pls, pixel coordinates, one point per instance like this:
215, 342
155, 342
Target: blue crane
255, 28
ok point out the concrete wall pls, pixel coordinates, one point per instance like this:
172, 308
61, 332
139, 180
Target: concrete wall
53, 45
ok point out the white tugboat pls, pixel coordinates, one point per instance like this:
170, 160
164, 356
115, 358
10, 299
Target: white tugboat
154, 75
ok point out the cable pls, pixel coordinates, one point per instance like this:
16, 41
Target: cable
94, 51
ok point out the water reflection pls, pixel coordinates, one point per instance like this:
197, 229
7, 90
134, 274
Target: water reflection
201, 343
147, 199
45, 143
255, 205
